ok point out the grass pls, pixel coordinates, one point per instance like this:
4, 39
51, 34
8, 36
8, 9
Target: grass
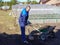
7, 23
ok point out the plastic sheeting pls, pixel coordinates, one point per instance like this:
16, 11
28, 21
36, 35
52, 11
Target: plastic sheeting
39, 13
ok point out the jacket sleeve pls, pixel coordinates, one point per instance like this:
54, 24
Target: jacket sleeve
24, 15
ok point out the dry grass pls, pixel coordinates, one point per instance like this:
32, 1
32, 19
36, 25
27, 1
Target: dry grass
7, 23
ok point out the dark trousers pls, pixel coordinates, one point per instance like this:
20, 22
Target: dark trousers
23, 33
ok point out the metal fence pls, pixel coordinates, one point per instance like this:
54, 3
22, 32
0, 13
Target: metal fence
39, 13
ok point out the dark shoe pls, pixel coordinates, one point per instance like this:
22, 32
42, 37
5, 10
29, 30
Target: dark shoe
26, 42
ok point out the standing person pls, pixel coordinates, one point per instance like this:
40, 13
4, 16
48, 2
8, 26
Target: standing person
23, 22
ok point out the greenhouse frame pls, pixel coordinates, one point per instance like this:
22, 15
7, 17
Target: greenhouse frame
39, 13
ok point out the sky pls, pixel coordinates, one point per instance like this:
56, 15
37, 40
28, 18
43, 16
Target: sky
19, 0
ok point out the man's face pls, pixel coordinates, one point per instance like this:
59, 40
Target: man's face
28, 9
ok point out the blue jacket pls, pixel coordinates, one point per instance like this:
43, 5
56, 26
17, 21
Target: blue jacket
23, 17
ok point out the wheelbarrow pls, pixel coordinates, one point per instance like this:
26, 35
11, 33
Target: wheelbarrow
43, 33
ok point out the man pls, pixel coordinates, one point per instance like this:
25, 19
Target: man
23, 22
